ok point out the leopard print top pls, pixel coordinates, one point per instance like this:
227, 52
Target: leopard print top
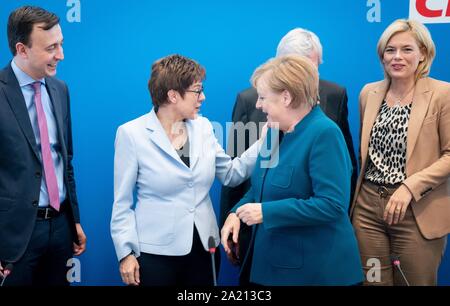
387, 145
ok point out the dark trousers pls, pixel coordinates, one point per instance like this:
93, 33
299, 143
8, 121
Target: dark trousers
193, 269
245, 235
44, 261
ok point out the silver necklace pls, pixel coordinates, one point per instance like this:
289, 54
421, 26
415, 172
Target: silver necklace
398, 100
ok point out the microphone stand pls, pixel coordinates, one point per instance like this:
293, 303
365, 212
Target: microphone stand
396, 263
214, 269
212, 250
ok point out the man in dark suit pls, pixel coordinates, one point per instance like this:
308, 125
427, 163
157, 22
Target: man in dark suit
333, 101
39, 218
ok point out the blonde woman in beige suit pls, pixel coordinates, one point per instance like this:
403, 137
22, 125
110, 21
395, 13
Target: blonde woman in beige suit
401, 208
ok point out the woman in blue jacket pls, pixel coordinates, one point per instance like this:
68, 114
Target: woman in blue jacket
300, 192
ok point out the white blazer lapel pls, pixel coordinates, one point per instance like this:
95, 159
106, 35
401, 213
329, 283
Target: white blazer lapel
194, 142
159, 137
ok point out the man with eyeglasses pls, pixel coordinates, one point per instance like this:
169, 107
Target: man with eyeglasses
333, 101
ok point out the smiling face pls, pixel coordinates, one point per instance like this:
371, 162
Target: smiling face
190, 104
402, 56
41, 58
272, 103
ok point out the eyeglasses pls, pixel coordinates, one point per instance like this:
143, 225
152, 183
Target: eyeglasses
198, 91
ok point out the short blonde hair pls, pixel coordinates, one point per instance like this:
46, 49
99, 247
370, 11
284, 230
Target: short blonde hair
294, 73
422, 37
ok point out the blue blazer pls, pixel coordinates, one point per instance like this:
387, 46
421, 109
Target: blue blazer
21, 168
306, 237
170, 197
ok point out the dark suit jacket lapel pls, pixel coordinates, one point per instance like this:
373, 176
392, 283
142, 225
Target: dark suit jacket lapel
17, 103
55, 99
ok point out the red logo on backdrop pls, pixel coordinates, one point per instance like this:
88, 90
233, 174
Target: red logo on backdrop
425, 11
430, 11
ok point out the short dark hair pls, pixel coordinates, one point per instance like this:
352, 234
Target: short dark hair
174, 72
21, 22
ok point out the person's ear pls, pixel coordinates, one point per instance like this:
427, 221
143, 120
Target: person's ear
422, 55
21, 50
172, 96
287, 98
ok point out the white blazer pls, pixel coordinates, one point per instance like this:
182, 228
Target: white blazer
170, 197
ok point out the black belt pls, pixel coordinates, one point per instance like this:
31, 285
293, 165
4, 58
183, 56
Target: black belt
46, 213
383, 189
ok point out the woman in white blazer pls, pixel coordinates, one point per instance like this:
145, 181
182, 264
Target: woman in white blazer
165, 163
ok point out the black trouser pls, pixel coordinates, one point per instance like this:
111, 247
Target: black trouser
193, 269
45, 259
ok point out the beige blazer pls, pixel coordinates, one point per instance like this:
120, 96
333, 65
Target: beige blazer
427, 150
